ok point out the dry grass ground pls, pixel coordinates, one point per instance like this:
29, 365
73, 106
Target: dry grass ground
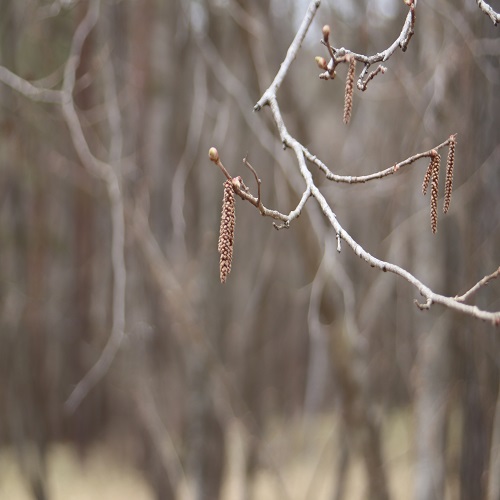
300, 458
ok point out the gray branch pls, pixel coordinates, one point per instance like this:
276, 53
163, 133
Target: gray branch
111, 179
486, 8
103, 171
28, 89
290, 56
339, 55
269, 98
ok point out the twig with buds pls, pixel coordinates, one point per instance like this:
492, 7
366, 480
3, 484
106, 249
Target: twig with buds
244, 193
269, 98
361, 179
338, 56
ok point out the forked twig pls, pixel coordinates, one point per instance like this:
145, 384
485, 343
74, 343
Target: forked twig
478, 285
257, 180
269, 98
244, 193
338, 56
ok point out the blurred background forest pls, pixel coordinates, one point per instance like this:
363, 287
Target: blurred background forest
308, 374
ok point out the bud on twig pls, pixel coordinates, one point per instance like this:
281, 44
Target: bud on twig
321, 62
326, 33
213, 154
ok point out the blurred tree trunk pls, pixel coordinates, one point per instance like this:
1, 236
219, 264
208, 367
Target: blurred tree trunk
432, 377
475, 443
358, 419
494, 468
432, 335
86, 417
477, 356
26, 391
431, 414
206, 438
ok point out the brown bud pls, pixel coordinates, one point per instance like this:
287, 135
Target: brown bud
236, 181
213, 154
326, 32
321, 62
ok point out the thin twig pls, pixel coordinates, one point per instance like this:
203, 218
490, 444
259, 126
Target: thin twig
109, 176
424, 307
290, 56
269, 98
350, 179
478, 285
243, 192
339, 55
257, 180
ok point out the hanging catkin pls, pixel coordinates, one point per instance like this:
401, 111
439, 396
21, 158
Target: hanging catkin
450, 162
436, 160
349, 88
226, 232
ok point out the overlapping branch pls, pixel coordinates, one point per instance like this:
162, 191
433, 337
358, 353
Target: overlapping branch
104, 172
111, 179
28, 89
302, 154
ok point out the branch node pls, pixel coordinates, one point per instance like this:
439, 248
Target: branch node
285, 225
425, 306
213, 154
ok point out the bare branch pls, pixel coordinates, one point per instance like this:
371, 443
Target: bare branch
257, 180
486, 8
108, 175
363, 84
102, 171
269, 98
350, 179
478, 285
290, 55
338, 56
243, 192
27, 89
425, 291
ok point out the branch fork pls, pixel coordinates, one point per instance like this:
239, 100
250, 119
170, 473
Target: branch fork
302, 153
